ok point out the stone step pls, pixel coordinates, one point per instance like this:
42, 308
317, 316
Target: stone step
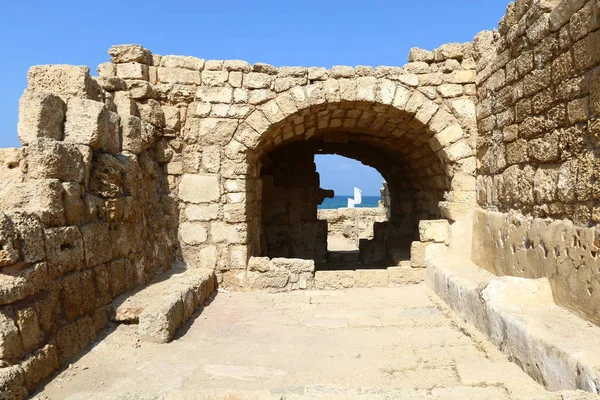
553, 345
166, 303
368, 278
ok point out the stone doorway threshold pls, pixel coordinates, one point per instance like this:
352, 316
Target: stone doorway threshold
556, 347
367, 344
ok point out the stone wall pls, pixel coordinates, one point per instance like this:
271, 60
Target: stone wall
158, 160
85, 215
538, 86
291, 195
351, 224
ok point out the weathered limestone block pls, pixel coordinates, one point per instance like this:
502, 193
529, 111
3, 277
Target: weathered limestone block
402, 276
211, 131
172, 119
193, 233
459, 150
73, 202
264, 68
420, 252
293, 265
165, 304
106, 70
27, 322
341, 71
178, 75
238, 257
74, 337
416, 54
215, 94
29, 229
124, 104
132, 70
437, 231
96, 241
115, 175
333, 280
563, 12
112, 84
131, 129
281, 84
41, 197
204, 212
185, 62
450, 90
64, 250
111, 142
12, 383
449, 51
77, 294
128, 53
369, 278
64, 81
10, 246
237, 65
214, 65
39, 365
464, 108
214, 78
87, 122
222, 232
17, 285
151, 111
199, 188
259, 264
50, 159
272, 281
140, 90
41, 115
11, 346
12, 166
256, 80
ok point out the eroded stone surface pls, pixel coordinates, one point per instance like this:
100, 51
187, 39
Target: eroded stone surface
403, 344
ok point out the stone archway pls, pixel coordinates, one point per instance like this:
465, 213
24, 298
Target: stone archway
386, 123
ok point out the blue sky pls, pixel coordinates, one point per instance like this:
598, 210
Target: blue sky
319, 33
343, 174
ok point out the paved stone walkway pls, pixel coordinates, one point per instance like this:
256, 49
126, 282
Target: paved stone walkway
383, 343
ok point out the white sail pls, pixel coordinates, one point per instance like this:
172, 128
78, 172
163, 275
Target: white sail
350, 203
357, 196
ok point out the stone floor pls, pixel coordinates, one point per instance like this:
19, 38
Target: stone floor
399, 343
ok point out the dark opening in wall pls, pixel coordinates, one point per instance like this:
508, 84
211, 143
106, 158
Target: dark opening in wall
293, 227
351, 227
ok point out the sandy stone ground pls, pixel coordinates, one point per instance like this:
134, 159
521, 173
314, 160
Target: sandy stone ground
379, 344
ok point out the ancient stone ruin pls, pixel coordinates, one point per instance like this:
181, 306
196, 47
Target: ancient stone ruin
176, 175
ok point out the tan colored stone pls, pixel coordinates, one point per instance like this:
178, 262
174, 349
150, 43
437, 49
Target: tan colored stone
207, 212
193, 233
185, 62
437, 231
126, 53
41, 115
86, 122
64, 81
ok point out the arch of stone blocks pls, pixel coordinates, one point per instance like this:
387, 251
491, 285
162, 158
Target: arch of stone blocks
415, 143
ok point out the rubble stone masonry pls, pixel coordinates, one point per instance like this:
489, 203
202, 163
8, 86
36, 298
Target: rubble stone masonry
538, 173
